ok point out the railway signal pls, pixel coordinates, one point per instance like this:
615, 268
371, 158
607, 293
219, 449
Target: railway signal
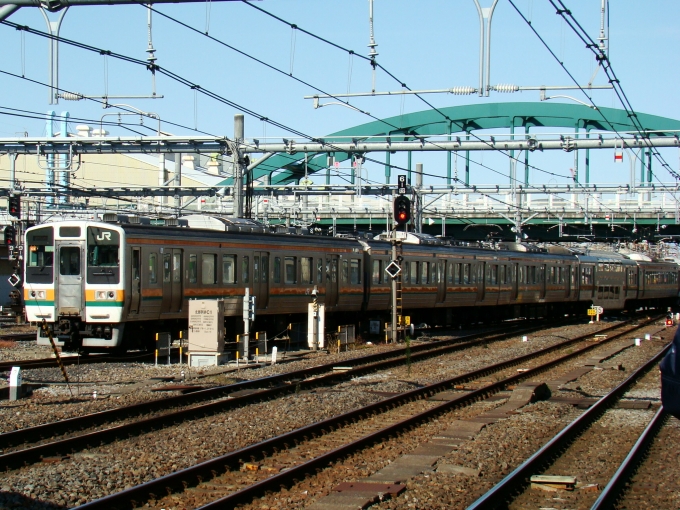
14, 206
402, 210
10, 235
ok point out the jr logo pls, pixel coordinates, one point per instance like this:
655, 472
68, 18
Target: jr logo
104, 235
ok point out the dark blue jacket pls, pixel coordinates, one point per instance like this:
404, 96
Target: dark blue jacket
670, 378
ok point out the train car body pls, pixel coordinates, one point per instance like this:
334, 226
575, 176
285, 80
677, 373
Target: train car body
101, 284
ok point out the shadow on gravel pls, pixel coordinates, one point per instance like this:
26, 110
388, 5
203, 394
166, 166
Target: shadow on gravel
16, 500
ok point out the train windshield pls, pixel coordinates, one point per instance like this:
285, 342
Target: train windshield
103, 260
39, 255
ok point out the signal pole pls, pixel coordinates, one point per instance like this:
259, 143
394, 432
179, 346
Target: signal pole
402, 216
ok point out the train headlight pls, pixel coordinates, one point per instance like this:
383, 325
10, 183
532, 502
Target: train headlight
38, 294
104, 295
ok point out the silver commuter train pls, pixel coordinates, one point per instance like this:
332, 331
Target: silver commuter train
115, 283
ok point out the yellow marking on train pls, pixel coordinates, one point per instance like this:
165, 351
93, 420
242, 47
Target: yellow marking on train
49, 294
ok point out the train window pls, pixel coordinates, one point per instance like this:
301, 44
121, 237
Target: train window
289, 265
319, 270
344, 274
153, 268
245, 269
355, 271
414, 272
264, 272
193, 269
228, 268
40, 256
521, 274
513, 274
167, 271
177, 267
466, 273
277, 269
69, 260
306, 264
424, 268
449, 275
456, 273
502, 275
494, 274
377, 271
208, 264
136, 262
333, 270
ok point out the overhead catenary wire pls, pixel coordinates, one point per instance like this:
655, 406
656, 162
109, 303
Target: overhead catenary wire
209, 93
605, 62
561, 63
419, 96
351, 53
633, 118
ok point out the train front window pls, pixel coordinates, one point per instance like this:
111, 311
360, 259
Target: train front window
40, 256
40, 259
103, 262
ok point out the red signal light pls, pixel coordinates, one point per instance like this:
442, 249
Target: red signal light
402, 210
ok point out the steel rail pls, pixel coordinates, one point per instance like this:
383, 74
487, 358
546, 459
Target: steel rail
616, 485
502, 492
27, 364
269, 387
206, 470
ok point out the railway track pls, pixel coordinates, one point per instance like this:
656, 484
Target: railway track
75, 360
224, 398
614, 489
647, 470
578, 444
239, 476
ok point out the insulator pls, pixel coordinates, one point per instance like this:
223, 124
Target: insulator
71, 96
506, 88
461, 91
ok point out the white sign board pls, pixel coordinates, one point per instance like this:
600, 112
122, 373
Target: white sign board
206, 325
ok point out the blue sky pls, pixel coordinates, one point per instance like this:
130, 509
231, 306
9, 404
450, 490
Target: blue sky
428, 44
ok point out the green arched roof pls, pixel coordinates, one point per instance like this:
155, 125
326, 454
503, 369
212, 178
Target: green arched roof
462, 119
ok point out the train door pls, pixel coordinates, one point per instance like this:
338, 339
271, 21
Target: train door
135, 280
70, 277
261, 278
172, 280
441, 280
332, 277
